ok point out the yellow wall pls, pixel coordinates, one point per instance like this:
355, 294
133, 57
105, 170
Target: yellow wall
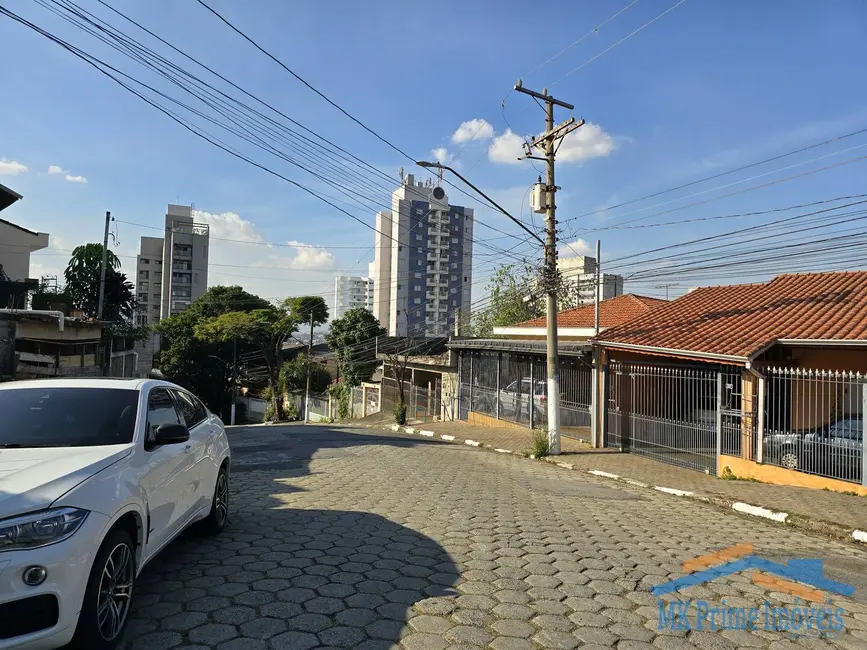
780, 476
482, 420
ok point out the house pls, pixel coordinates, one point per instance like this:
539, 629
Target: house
579, 324
16, 244
503, 382
37, 344
768, 380
427, 370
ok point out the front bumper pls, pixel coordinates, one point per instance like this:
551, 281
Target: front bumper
68, 566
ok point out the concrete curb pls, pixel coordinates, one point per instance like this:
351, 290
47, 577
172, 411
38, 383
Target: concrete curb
795, 521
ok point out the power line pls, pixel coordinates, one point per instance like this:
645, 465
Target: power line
622, 40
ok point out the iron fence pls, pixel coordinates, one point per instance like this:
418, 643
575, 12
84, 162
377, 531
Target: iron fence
421, 404
513, 387
813, 421
673, 413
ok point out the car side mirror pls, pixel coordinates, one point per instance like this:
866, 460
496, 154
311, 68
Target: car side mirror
171, 434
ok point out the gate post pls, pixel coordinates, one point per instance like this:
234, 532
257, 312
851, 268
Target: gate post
603, 398
719, 401
760, 427
864, 435
497, 397
594, 401
532, 395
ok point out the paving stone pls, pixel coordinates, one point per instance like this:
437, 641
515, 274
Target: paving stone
431, 624
157, 641
263, 628
511, 643
512, 627
420, 641
556, 640
294, 641
469, 634
309, 622
343, 636
212, 633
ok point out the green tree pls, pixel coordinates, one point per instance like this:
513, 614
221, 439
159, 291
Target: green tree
515, 297
301, 307
265, 329
353, 338
293, 375
204, 367
82, 284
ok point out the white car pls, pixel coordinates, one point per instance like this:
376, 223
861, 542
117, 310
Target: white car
96, 477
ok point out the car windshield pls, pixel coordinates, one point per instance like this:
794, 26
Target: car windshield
67, 416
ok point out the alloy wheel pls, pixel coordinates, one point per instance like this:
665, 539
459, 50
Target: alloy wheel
789, 460
115, 592
221, 498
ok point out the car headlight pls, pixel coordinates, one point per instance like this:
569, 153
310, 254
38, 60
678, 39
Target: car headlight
40, 528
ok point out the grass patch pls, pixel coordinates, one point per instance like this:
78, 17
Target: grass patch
729, 475
539, 445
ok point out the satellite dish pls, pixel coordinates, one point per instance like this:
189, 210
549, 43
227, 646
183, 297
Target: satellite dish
439, 193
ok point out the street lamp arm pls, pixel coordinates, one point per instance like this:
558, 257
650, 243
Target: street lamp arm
425, 164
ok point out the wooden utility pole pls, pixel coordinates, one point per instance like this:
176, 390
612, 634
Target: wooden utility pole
546, 142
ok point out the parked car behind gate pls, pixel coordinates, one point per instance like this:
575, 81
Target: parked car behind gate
834, 450
97, 476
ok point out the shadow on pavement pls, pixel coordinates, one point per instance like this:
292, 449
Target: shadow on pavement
280, 577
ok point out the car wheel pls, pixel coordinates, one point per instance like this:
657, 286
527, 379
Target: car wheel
108, 596
789, 459
219, 515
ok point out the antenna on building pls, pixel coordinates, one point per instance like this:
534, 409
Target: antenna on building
400, 173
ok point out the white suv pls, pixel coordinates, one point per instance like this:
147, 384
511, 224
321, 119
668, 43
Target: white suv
96, 477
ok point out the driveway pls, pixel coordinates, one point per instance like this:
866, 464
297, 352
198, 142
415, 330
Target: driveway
344, 538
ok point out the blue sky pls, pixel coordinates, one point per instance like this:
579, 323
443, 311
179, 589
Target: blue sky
710, 86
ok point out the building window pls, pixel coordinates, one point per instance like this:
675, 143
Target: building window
399, 249
143, 286
144, 260
419, 250
158, 275
466, 279
156, 296
418, 237
143, 297
143, 275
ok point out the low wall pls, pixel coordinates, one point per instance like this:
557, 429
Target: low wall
482, 420
781, 476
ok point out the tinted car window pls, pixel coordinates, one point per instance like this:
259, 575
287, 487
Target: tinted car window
67, 416
161, 410
191, 409
849, 429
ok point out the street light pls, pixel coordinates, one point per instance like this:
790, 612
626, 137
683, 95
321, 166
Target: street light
429, 165
234, 367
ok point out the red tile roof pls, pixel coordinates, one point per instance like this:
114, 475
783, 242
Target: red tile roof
742, 320
612, 312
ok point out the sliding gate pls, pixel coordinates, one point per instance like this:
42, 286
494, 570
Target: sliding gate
680, 415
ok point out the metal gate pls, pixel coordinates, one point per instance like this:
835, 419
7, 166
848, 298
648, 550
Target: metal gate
681, 415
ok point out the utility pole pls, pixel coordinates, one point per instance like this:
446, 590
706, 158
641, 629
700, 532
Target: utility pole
598, 285
546, 142
309, 354
234, 380
102, 267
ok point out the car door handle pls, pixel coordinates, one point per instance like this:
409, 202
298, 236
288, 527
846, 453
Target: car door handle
187, 448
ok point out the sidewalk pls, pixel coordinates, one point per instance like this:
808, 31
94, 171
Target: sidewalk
828, 512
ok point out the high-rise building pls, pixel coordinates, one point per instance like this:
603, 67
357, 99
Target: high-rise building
171, 272
580, 274
422, 267
351, 292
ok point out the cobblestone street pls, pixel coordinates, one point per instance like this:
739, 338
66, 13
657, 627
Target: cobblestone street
355, 539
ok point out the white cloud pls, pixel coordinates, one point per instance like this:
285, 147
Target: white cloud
506, 148
11, 167
229, 225
577, 248
308, 257
441, 155
75, 179
56, 169
590, 141
475, 129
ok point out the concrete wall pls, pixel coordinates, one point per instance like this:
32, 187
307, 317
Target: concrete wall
15, 248
778, 476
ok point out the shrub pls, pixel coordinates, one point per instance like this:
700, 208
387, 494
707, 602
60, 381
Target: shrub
270, 412
539, 446
291, 412
341, 394
400, 413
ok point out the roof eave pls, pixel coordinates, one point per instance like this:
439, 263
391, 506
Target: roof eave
693, 354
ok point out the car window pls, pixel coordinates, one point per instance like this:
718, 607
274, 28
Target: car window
64, 416
161, 410
512, 387
191, 409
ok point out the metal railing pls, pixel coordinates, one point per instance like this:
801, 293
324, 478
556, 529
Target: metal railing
813, 421
513, 387
673, 413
